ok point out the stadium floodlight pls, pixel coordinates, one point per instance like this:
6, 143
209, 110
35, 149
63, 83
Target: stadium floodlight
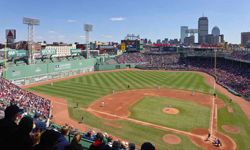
31, 23
87, 28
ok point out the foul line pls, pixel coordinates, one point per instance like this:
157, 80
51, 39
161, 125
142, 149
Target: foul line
146, 123
212, 116
140, 122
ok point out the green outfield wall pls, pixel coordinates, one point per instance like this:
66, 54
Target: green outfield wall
27, 74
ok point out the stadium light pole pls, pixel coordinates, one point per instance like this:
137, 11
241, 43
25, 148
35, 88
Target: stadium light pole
87, 28
31, 23
5, 59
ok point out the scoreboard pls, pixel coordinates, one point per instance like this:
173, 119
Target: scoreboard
130, 45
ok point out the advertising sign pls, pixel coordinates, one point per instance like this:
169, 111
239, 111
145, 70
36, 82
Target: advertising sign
75, 51
48, 52
11, 34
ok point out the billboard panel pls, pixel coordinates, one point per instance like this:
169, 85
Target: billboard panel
31, 21
48, 52
75, 51
132, 45
11, 34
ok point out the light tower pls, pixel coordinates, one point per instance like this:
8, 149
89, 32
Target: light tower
87, 28
31, 23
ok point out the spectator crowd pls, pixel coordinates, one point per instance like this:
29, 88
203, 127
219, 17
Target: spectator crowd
240, 55
131, 58
27, 133
30, 102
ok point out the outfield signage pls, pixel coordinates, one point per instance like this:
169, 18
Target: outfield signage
21, 53
11, 34
75, 51
16, 53
11, 53
48, 52
106, 47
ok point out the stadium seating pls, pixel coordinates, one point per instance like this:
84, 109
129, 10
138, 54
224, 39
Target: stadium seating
30, 102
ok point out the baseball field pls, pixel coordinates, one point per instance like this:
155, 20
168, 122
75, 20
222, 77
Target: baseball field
173, 110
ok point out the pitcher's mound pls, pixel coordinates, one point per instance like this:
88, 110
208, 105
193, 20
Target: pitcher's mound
171, 111
231, 129
171, 139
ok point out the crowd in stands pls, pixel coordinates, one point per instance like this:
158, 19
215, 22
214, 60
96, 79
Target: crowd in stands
241, 55
131, 58
161, 60
233, 75
30, 102
26, 133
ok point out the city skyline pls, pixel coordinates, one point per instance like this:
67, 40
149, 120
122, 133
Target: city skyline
113, 20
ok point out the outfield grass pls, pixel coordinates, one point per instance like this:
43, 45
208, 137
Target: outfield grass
191, 115
87, 89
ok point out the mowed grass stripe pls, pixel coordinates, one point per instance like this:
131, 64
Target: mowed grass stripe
156, 76
146, 80
84, 91
189, 83
179, 81
95, 80
128, 81
136, 82
173, 79
139, 78
120, 80
87, 89
66, 90
87, 86
152, 79
61, 93
133, 76
114, 81
105, 80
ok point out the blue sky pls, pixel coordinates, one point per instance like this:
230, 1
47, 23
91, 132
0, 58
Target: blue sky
62, 20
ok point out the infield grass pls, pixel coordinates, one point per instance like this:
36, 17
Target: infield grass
190, 116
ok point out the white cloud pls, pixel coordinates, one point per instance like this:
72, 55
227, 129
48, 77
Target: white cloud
52, 31
71, 21
107, 36
117, 19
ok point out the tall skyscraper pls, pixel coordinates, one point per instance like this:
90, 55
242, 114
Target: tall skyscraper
184, 33
202, 29
245, 38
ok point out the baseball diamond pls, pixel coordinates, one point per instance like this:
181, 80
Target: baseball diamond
136, 113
